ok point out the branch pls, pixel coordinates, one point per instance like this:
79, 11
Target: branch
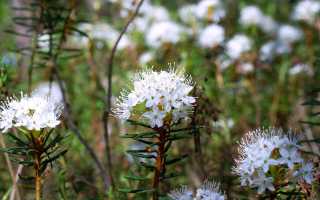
68, 113
107, 101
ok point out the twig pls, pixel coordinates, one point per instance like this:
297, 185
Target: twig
107, 101
68, 113
15, 188
9, 164
160, 163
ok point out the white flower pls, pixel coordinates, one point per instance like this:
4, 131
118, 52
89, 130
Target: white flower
263, 183
289, 156
209, 191
146, 57
49, 90
155, 117
211, 36
163, 32
151, 15
161, 95
251, 15
224, 62
211, 10
103, 33
31, 113
272, 48
306, 11
268, 25
129, 6
187, 13
158, 14
182, 193
238, 45
139, 24
301, 68
305, 173
289, 34
267, 51
44, 42
258, 151
245, 68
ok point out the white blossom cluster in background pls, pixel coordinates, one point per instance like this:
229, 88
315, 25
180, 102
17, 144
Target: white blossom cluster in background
157, 97
164, 32
49, 90
201, 24
211, 36
103, 33
300, 68
253, 16
31, 113
306, 11
262, 150
208, 191
237, 45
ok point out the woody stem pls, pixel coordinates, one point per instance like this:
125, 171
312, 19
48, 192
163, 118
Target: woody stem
160, 163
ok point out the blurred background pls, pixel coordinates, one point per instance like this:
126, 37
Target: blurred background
254, 63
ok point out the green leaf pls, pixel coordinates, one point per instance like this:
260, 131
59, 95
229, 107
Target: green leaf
171, 175
141, 155
311, 102
140, 135
26, 178
127, 190
179, 137
146, 142
27, 163
140, 151
148, 166
316, 140
311, 123
7, 194
132, 122
167, 147
17, 150
175, 160
49, 160
47, 136
17, 140
136, 178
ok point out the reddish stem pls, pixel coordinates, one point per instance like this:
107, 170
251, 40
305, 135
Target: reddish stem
160, 162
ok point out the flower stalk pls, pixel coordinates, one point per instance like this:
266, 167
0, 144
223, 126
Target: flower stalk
38, 146
160, 161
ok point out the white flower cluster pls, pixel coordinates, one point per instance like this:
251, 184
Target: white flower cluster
211, 36
306, 11
253, 16
211, 10
164, 32
238, 45
260, 150
301, 68
103, 33
286, 36
289, 34
49, 90
208, 191
187, 13
31, 113
162, 97
146, 57
250, 15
